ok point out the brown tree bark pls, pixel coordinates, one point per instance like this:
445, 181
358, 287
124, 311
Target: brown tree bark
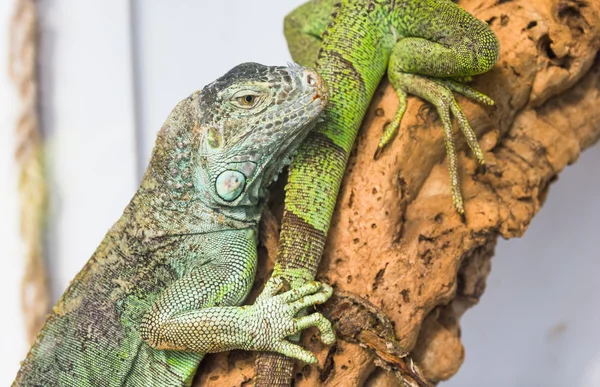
404, 265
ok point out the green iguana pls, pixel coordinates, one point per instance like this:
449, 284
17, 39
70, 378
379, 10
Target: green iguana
164, 286
428, 47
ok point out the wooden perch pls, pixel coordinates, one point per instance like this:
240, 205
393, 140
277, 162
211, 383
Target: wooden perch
401, 261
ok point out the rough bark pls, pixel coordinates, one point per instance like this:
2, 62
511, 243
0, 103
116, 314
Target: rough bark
404, 265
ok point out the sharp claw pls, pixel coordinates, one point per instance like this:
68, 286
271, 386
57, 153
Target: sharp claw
378, 152
280, 286
482, 169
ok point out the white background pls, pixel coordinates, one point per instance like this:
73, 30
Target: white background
112, 70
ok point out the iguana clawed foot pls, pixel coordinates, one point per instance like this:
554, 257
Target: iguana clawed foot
278, 320
438, 92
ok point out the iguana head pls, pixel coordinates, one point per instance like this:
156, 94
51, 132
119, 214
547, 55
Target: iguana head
252, 121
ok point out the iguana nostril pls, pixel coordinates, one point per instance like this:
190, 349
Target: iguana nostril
314, 79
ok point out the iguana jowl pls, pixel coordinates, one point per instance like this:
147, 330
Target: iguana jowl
163, 287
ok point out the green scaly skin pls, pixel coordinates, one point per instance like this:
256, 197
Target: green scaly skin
427, 48
163, 287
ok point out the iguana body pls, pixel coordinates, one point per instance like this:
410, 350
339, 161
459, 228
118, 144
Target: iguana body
163, 287
423, 44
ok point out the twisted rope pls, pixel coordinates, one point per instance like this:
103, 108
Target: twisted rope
35, 300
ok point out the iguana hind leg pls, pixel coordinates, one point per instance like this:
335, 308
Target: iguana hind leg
431, 67
438, 92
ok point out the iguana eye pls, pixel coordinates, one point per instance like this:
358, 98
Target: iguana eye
247, 100
230, 185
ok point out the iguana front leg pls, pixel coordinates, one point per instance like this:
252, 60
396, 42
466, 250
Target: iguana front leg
198, 312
